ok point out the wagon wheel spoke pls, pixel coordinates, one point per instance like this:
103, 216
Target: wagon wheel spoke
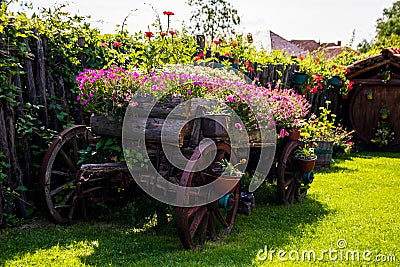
203, 228
221, 218
67, 160
192, 211
211, 227
61, 188
75, 149
197, 220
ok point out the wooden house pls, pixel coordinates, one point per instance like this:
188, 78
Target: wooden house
374, 106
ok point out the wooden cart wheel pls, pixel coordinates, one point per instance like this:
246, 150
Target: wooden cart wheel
59, 172
197, 224
290, 187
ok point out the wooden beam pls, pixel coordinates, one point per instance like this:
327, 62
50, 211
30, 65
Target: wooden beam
376, 81
368, 68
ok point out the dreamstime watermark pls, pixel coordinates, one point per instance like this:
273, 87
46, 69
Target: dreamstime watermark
135, 132
341, 253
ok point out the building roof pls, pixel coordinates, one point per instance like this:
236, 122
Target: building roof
280, 43
332, 51
388, 57
308, 45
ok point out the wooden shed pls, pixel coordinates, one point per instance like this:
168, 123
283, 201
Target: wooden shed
376, 92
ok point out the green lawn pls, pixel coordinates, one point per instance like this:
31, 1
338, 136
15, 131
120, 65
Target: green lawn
350, 216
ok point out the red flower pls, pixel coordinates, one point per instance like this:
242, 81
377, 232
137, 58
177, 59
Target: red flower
301, 57
250, 69
234, 44
117, 44
247, 64
149, 34
163, 34
317, 78
103, 45
199, 56
317, 60
350, 85
227, 54
315, 90
217, 42
172, 32
168, 13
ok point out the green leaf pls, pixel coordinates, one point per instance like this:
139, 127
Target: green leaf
21, 188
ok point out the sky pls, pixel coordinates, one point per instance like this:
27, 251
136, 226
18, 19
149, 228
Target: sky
319, 20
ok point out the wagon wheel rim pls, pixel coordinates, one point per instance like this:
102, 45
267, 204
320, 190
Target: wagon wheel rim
198, 224
290, 189
59, 173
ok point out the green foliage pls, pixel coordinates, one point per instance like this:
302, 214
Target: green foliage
389, 24
306, 151
3, 168
214, 18
324, 128
388, 32
106, 149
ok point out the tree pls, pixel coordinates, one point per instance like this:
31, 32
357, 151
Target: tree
214, 17
390, 22
387, 29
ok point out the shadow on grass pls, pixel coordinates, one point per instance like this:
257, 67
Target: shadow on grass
121, 245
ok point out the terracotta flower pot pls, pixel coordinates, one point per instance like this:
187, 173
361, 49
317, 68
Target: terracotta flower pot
294, 134
225, 183
305, 165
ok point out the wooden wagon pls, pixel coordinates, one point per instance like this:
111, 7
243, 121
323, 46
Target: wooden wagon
67, 182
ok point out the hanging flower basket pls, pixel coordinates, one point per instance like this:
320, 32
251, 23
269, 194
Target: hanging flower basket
335, 81
305, 165
299, 78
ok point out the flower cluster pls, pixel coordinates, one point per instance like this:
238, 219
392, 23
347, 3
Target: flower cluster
322, 127
109, 92
306, 151
383, 134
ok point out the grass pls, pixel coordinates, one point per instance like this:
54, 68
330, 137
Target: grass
352, 208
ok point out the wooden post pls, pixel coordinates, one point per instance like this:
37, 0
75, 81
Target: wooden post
41, 80
19, 175
53, 111
30, 80
25, 142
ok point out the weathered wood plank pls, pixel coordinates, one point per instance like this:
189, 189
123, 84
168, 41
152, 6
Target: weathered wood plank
41, 80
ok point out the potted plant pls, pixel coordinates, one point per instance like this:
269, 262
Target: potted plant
385, 75
384, 113
299, 78
323, 131
369, 95
230, 175
305, 157
335, 81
